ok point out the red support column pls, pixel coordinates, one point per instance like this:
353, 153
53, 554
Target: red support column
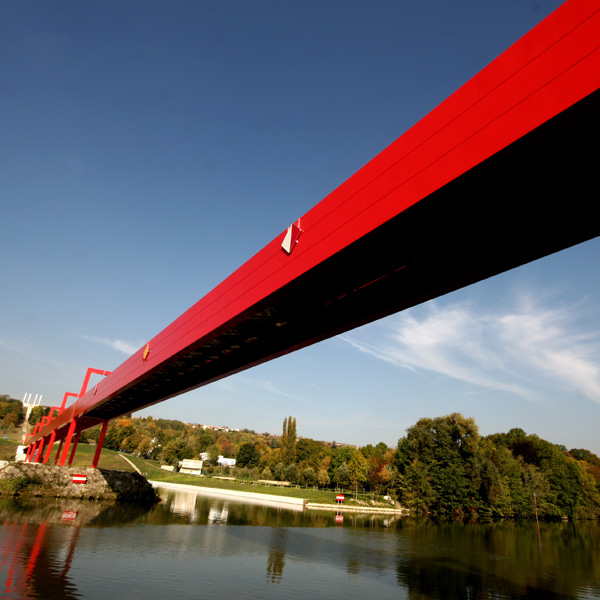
40, 450
30, 449
67, 444
31, 452
75, 442
50, 444
99, 445
60, 445
34, 450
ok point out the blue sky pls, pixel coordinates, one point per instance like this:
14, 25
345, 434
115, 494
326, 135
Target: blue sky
150, 148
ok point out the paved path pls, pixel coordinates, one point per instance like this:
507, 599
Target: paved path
125, 458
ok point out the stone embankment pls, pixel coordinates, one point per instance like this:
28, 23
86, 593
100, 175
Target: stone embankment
378, 510
298, 503
30, 479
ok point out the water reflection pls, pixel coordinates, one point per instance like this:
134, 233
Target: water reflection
203, 546
276, 560
30, 563
500, 560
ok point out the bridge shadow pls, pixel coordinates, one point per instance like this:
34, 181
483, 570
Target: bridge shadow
130, 487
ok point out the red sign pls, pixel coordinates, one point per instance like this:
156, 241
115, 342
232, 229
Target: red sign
340, 497
69, 515
79, 478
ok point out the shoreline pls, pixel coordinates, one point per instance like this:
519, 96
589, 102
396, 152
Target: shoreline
298, 503
294, 503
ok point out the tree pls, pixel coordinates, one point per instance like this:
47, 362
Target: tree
213, 454
248, 455
284, 442
11, 412
204, 439
291, 473
378, 474
309, 477
288, 441
357, 470
323, 478
291, 439
342, 476
37, 413
311, 453
416, 492
438, 459
279, 471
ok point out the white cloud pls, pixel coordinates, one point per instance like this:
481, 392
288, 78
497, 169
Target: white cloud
524, 351
119, 345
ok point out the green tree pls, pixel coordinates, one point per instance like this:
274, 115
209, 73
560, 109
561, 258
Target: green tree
38, 413
291, 439
288, 441
439, 456
291, 473
11, 412
311, 452
284, 442
416, 491
357, 470
248, 455
279, 471
342, 476
341, 454
204, 439
309, 477
176, 451
213, 454
323, 478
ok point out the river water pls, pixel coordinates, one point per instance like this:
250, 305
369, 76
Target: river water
203, 546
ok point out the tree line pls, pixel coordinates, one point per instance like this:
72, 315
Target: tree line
442, 466
446, 468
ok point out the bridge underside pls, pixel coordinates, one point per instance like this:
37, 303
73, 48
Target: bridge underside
480, 186
536, 197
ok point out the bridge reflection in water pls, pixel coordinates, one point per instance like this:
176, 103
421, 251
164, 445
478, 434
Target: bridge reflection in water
204, 547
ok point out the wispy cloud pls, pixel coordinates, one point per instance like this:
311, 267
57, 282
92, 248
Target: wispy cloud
26, 349
270, 387
119, 345
522, 350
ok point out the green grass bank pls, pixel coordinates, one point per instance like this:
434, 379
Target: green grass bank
110, 459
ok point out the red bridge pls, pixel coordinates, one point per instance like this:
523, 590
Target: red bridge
501, 173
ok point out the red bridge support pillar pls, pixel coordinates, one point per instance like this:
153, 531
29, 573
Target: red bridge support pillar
99, 445
60, 445
50, 444
67, 444
30, 450
40, 450
75, 442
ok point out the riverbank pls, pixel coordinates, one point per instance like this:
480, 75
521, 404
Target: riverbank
50, 481
197, 489
301, 503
